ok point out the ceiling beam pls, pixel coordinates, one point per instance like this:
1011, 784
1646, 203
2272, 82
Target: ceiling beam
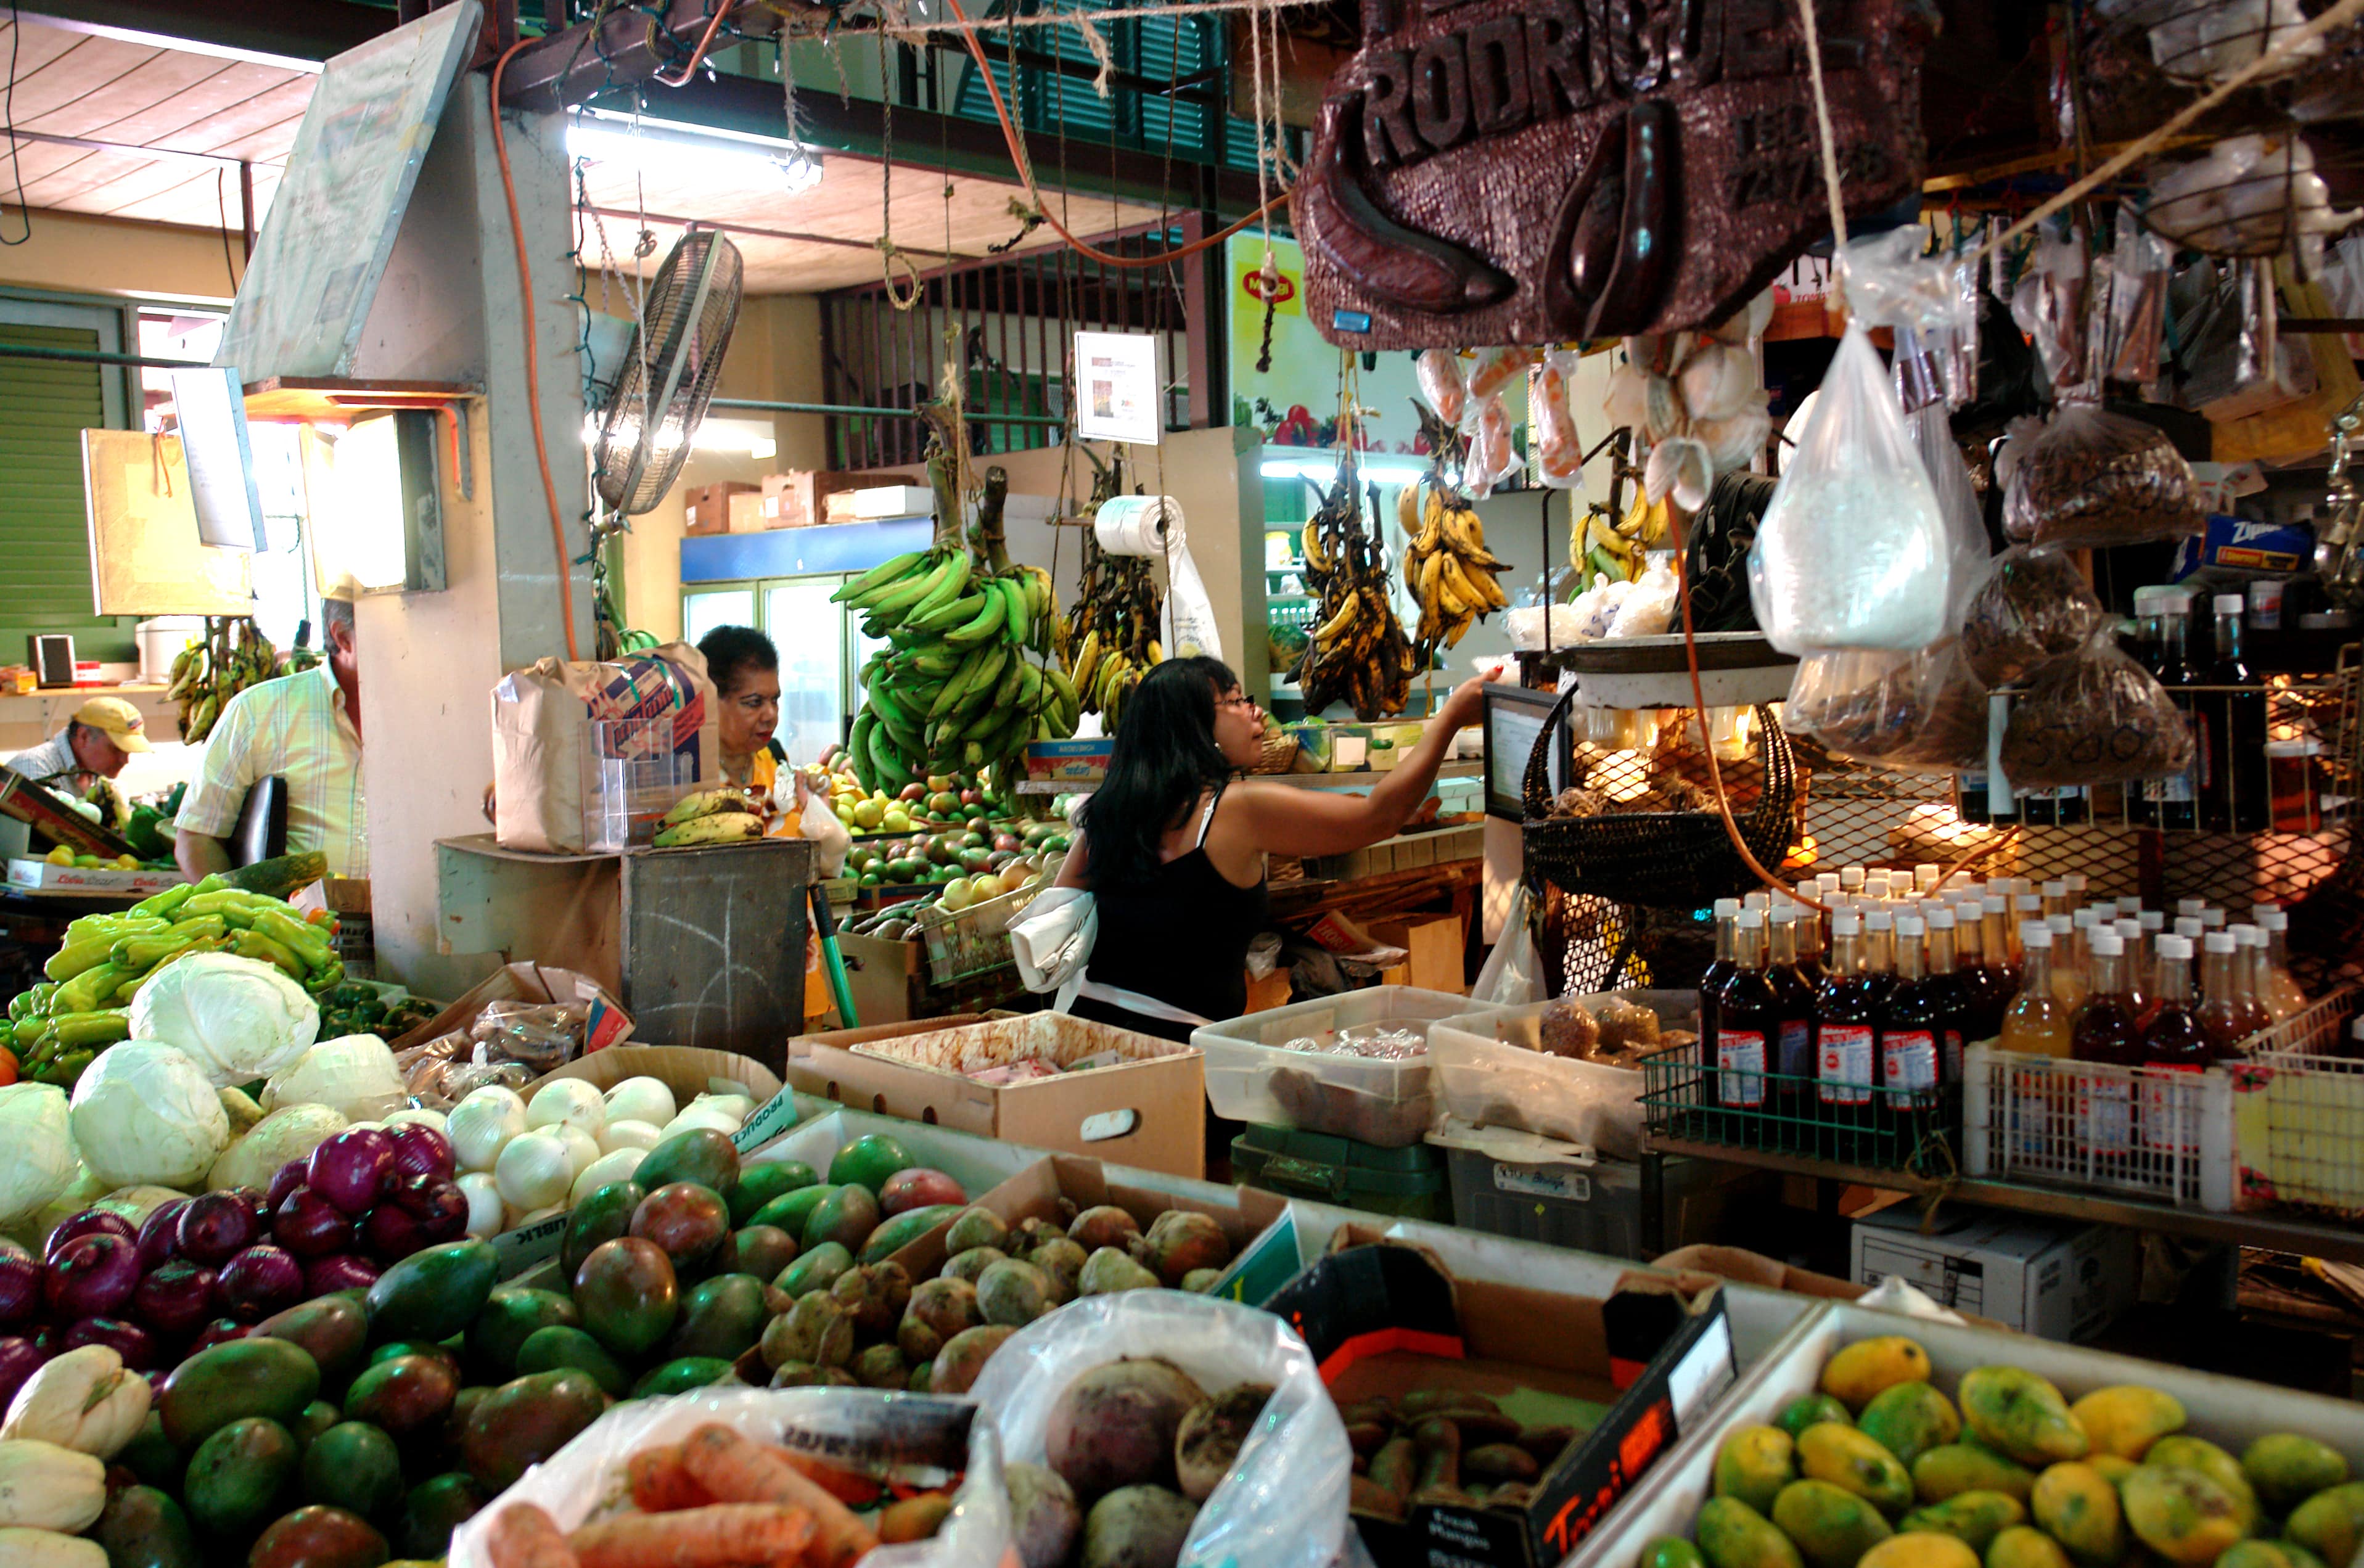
294, 35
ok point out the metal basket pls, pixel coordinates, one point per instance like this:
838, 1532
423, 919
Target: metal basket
2142, 1132
2257, 206
976, 941
2301, 1112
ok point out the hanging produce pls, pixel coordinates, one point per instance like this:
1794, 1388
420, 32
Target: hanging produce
1111, 637
1446, 565
955, 690
231, 656
1359, 653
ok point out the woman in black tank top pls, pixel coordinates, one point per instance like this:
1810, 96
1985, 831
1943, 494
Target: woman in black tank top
1172, 850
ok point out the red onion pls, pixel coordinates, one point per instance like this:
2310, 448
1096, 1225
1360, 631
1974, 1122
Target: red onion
136, 1345
325, 1276
259, 1202
353, 1169
310, 1226
420, 1150
390, 1233
221, 1332
88, 1222
92, 1275
260, 1282
285, 1180
446, 1216
217, 1227
19, 1359
45, 1339
20, 1292
175, 1298
160, 1238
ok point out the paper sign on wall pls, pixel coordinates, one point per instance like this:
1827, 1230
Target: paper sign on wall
1118, 391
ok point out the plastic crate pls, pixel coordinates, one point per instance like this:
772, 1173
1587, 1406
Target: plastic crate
1409, 1182
2140, 1132
1491, 1072
1563, 1194
2299, 1117
1387, 1104
1876, 1128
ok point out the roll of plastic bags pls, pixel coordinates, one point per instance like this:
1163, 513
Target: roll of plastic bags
1853, 551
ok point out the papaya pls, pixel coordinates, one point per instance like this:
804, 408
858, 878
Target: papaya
760, 1183
354, 1466
435, 1293
815, 1269
904, 1229
2285, 1468
2020, 1414
2077, 1506
2021, 1546
1734, 1535
2198, 1453
1669, 1551
1846, 1457
701, 1155
2185, 1516
1810, 1409
1754, 1463
1954, 1468
224, 1383
1919, 1548
1973, 1519
2126, 1419
524, 1421
560, 1346
1908, 1419
2330, 1523
1860, 1371
238, 1475
512, 1315
1832, 1527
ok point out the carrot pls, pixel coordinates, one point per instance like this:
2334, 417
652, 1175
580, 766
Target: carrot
524, 1537
853, 1490
659, 1482
721, 1535
737, 1471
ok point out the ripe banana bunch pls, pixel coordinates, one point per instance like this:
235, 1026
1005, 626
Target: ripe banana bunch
710, 816
1613, 547
1447, 565
1359, 653
232, 655
1111, 635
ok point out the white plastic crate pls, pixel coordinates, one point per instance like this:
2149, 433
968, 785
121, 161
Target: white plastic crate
1389, 1104
1491, 1070
2139, 1132
2300, 1117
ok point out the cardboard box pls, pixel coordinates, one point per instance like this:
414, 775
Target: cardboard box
608, 1025
754, 513
42, 877
1079, 762
888, 979
1433, 946
707, 509
878, 502
2056, 1280
1629, 1372
1149, 1109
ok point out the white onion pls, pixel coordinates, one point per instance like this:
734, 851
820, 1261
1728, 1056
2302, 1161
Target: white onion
737, 1106
534, 1170
582, 1149
698, 1117
642, 1099
629, 1135
568, 1100
618, 1166
534, 1216
481, 1125
485, 1210
435, 1119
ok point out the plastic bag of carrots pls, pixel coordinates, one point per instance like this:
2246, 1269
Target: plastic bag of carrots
758, 1478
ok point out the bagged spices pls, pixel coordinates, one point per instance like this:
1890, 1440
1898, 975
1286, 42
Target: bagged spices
2034, 607
2089, 479
1918, 711
2095, 718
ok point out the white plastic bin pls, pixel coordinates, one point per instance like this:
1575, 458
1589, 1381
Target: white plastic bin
1491, 1072
1252, 1076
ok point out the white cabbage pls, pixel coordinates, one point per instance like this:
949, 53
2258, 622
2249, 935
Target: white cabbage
237, 1019
144, 1113
282, 1136
354, 1074
37, 1148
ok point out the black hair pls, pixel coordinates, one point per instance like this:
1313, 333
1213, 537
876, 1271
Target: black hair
732, 651
1165, 757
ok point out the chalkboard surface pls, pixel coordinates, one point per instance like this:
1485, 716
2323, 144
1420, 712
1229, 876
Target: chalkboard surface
714, 946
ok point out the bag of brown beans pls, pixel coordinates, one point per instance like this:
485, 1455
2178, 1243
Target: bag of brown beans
2034, 607
2088, 479
2095, 718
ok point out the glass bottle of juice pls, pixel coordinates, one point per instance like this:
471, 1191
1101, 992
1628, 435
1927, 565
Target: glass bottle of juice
2001, 942
2277, 987
2249, 950
1808, 933
1910, 1037
2232, 730
1982, 1002
2035, 1024
1879, 949
1950, 995
2056, 897
1748, 1019
2220, 1010
1846, 1022
1713, 979
2142, 983
2106, 1034
2069, 979
2174, 801
1792, 1045
2175, 1041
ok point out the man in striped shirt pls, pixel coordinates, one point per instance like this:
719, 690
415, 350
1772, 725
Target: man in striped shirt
304, 728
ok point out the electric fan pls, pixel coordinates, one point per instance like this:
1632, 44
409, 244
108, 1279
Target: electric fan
661, 395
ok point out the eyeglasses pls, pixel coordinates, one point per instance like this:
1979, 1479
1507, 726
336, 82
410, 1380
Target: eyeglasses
1247, 703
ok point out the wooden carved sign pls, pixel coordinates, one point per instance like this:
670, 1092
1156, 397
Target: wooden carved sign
1492, 172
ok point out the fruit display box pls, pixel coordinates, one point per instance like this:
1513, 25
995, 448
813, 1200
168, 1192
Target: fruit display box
607, 1024
1253, 1077
1083, 761
43, 877
2228, 1411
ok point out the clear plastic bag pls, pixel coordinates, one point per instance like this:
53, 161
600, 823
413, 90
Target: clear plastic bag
1493, 459
1284, 1503
1513, 975
2089, 479
1649, 609
1559, 450
1493, 370
2049, 306
1890, 283
2140, 268
1438, 372
1852, 551
2095, 718
857, 1429
2034, 607
542, 1034
1920, 712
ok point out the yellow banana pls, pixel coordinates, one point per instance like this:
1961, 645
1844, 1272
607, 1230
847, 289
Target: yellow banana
722, 827
706, 802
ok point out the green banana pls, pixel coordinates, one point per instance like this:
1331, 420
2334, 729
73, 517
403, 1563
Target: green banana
1006, 691
949, 582
878, 577
938, 621
955, 691
1016, 615
887, 604
882, 702
1030, 686
988, 620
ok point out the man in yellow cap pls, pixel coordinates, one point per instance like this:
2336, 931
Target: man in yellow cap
94, 744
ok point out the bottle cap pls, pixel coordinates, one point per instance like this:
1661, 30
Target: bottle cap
2230, 604
1725, 908
2190, 905
1827, 881
1751, 920
2189, 928
2356, 1028
2037, 937
2128, 930
2026, 903
1925, 875
2057, 889
2085, 919
1850, 877
1939, 918
1879, 919
1756, 901
2059, 925
2177, 602
2219, 941
2105, 944
2020, 884
2175, 947
2213, 919
2148, 598
2152, 919
1911, 926
1784, 914
1991, 904
2075, 881
1847, 923
2270, 918
2247, 936
2131, 905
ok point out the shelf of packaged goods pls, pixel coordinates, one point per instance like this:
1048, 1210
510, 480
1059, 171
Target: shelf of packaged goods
1468, 769
2281, 1233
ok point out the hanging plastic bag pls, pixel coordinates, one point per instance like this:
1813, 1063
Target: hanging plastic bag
1513, 973
1852, 553
858, 1429
1923, 712
1559, 450
1649, 610
1284, 1503
2095, 718
2049, 306
1967, 559
2034, 607
2089, 479
1439, 374
1491, 372
2141, 267
1890, 283
1493, 459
